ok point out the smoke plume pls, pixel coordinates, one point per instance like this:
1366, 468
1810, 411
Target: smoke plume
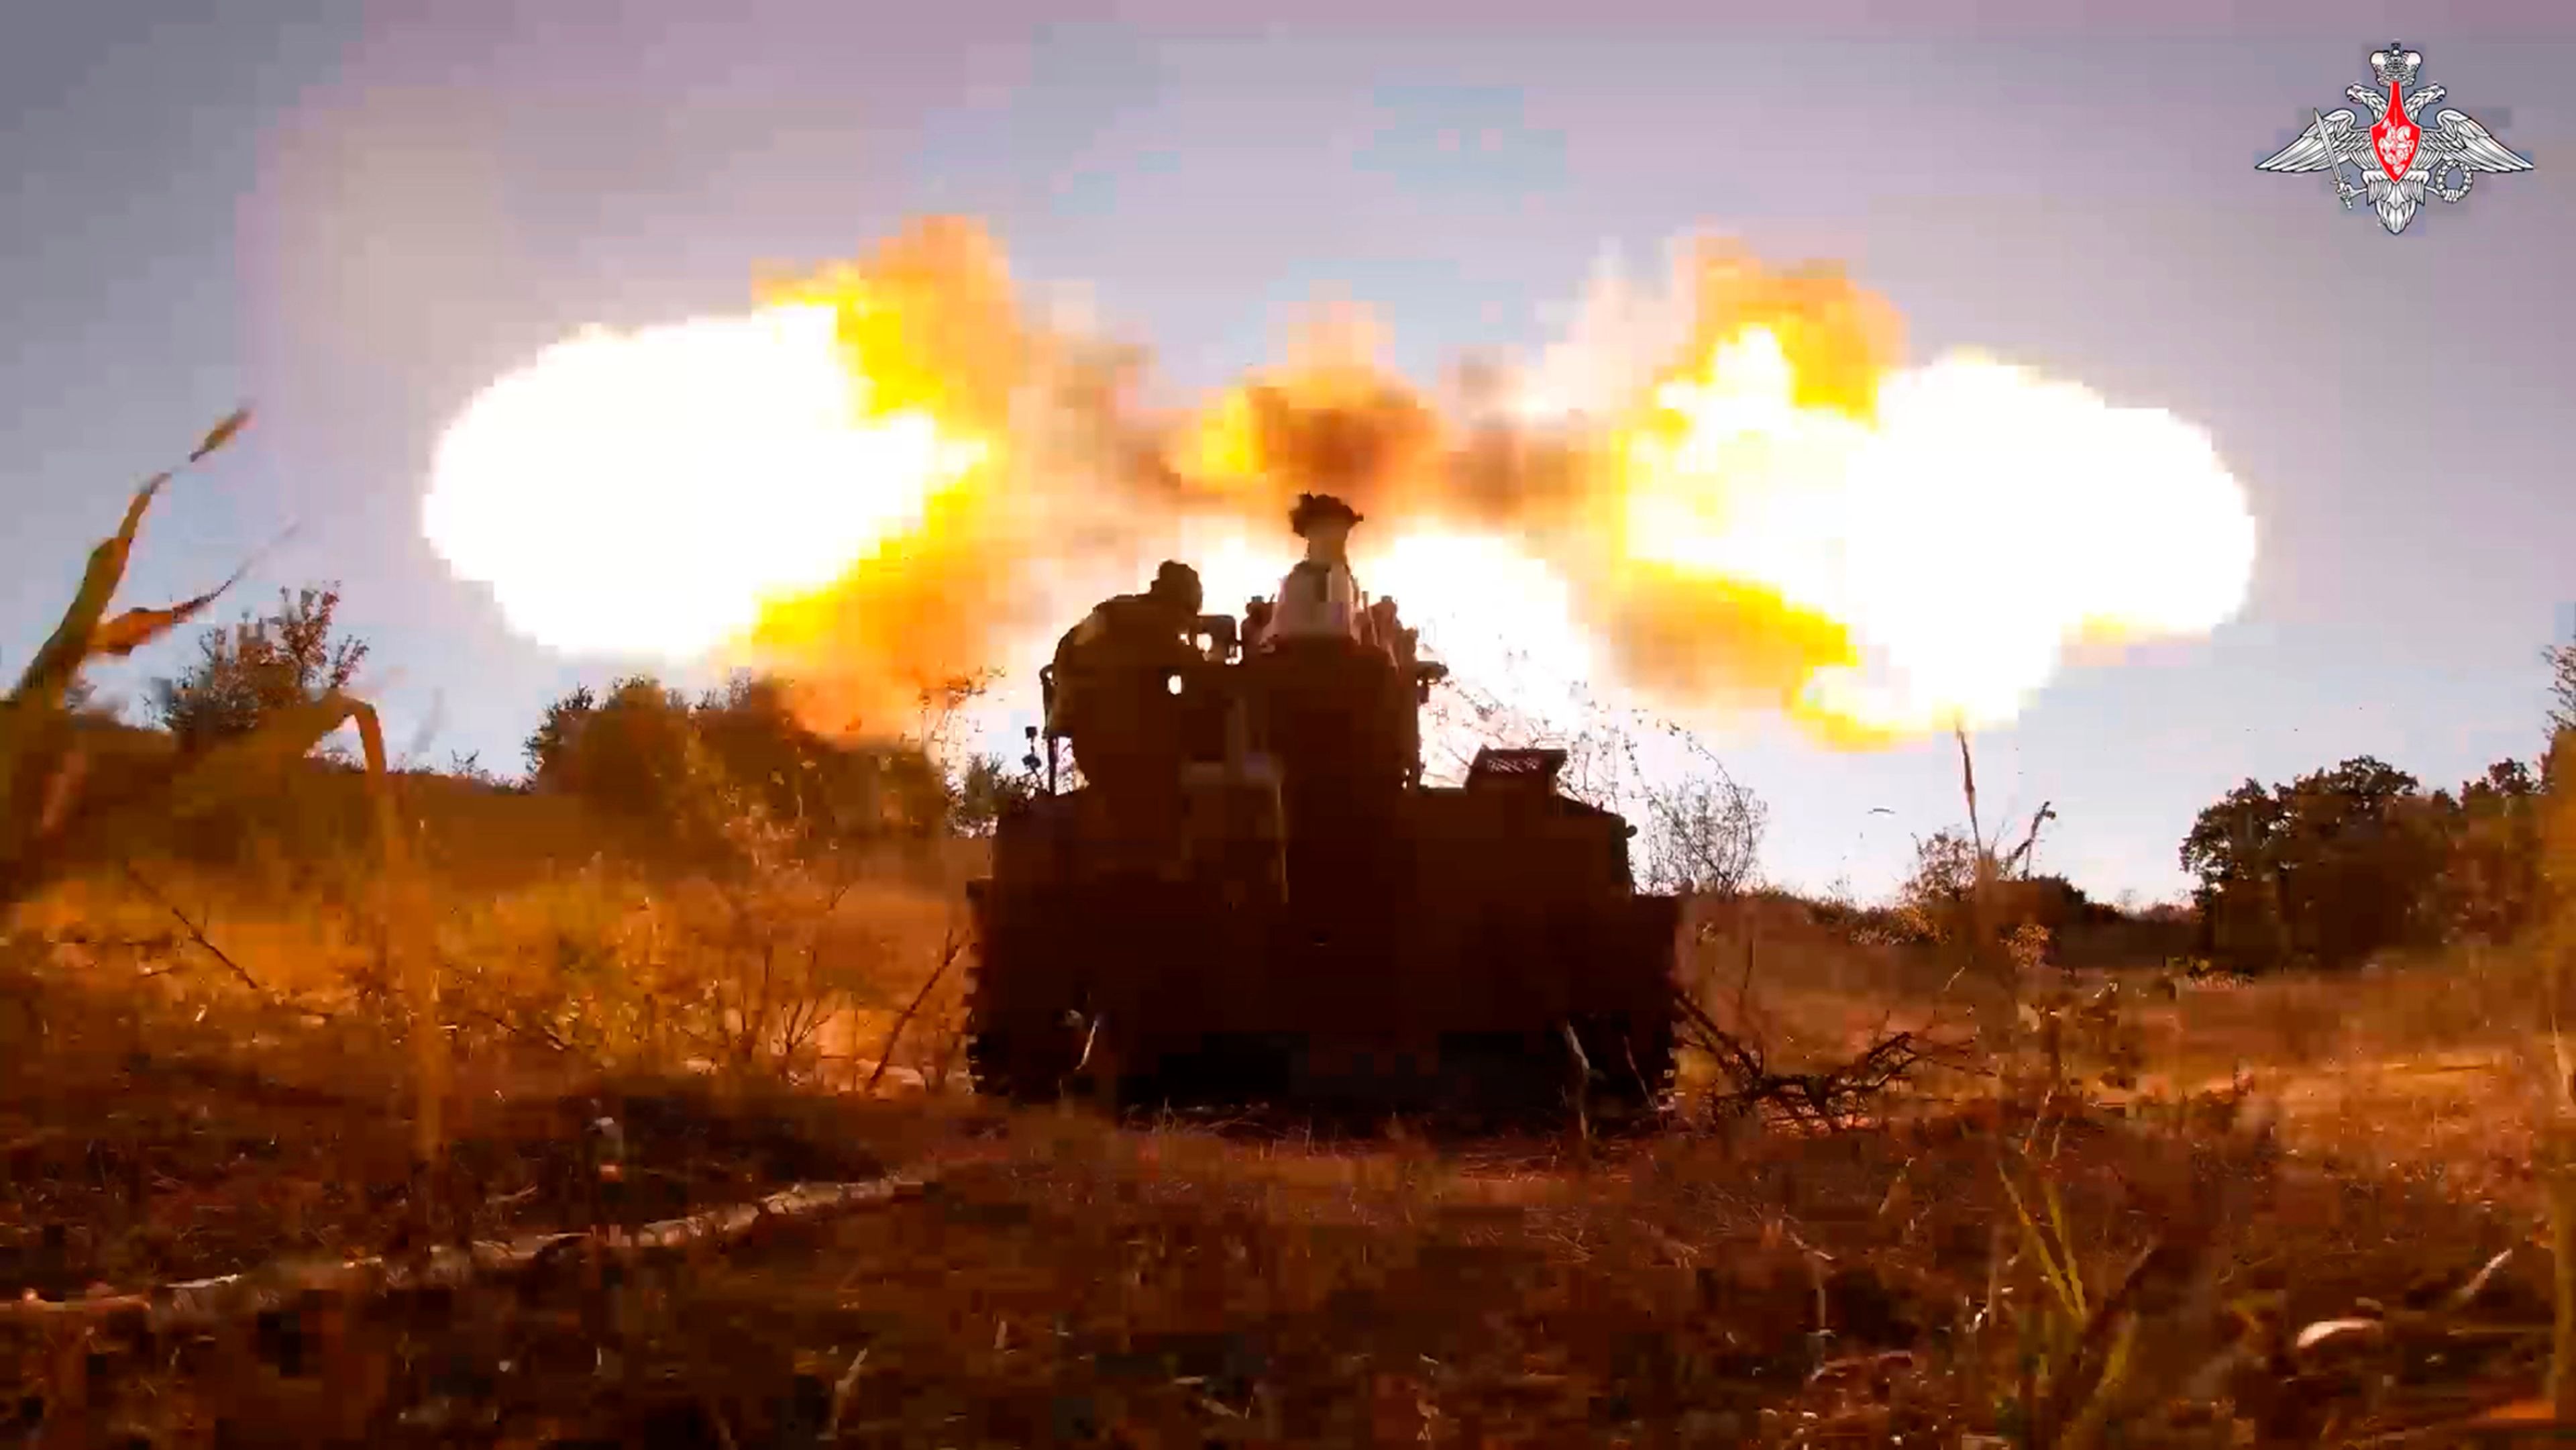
1736, 493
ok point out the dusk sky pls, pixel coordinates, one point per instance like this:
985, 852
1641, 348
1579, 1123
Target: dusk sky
356, 215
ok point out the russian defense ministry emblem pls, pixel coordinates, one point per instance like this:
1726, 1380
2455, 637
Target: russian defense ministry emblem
2401, 157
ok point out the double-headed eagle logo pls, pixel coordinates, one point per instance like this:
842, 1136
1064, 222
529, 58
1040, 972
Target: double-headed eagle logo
2399, 157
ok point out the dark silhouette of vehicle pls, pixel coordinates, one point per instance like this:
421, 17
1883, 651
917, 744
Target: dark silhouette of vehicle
1280, 913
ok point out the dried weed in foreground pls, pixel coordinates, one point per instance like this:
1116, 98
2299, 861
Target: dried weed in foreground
47, 818
2035, 1270
1059, 1280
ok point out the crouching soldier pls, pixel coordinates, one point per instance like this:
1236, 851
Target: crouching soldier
1113, 701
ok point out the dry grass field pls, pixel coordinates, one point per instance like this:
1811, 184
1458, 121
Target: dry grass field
2312, 1219
442, 1132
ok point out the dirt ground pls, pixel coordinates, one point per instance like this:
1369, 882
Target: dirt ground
1051, 1279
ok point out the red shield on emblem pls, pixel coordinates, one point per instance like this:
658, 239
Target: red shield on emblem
2395, 138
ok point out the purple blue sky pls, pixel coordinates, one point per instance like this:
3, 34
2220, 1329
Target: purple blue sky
357, 214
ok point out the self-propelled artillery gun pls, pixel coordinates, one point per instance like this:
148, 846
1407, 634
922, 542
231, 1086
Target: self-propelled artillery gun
1251, 896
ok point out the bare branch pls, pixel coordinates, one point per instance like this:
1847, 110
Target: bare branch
1827, 1097
207, 1303
194, 933
948, 951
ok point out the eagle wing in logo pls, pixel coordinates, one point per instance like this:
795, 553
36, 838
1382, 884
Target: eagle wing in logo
2448, 145
2320, 150
2456, 138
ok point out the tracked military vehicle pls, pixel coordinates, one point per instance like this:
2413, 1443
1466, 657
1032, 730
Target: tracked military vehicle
1270, 907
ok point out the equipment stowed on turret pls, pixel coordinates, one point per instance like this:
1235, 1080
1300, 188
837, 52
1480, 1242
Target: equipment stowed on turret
1253, 898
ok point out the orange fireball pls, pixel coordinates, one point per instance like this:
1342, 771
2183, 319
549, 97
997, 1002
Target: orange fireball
884, 476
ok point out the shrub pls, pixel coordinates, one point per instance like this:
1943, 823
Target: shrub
259, 668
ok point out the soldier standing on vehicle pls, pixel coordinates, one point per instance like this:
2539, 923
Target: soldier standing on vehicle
1320, 599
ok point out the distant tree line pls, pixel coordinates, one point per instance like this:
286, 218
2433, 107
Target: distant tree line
638, 749
2340, 866
643, 749
2049, 915
2324, 872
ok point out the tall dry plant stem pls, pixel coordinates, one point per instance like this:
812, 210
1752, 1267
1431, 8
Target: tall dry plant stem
408, 949
2562, 1248
50, 816
2557, 940
1984, 959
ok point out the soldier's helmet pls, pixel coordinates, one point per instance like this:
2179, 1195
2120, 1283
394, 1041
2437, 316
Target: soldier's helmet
1315, 508
1177, 584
